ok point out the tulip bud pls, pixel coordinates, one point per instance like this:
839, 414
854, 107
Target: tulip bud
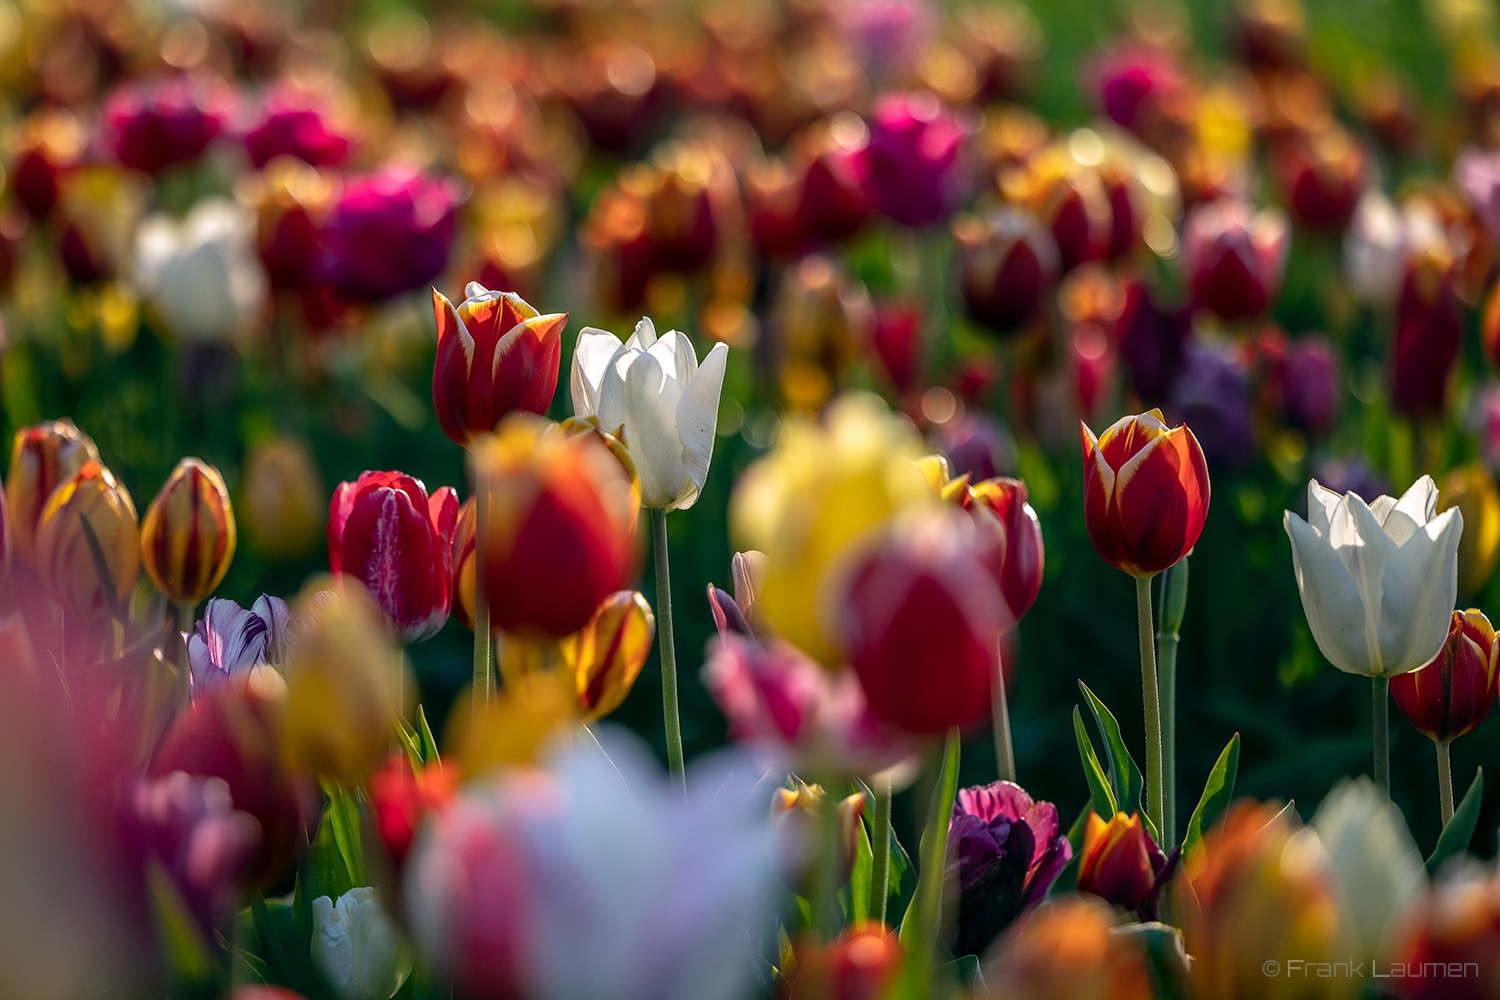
1429, 330
1233, 258
835, 203
283, 502
44, 457
1323, 176
1120, 861
495, 354
916, 175
1153, 343
357, 946
155, 123
1452, 694
772, 196
559, 537
1021, 573
188, 535
403, 800
1007, 264
1069, 949
388, 232
861, 964
821, 319
229, 640
1471, 488
341, 675
1152, 518
920, 618
607, 654
797, 825
898, 342
385, 531
63, 556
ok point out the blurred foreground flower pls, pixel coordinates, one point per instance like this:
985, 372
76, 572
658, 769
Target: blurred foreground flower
202, 275
1471, 488
402, 801
607, 655
188, 535
861, 964
357, 946
155, 123
1068, 949
667, 404
385, 532
1457, 923
63, 556
283, 503
796, 823
44, 456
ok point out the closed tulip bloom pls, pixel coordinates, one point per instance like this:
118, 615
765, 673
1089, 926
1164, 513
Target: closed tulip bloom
495, 354
1153, 343
796, 824
1377, 580
63, 556
1452, 694
607, 654
1021, 575
1146, 493
1322, 175
560, 536
1471, 488
1120, 861
1008, 264
1308, 377
188, 535
230, 640
403, 800
357, 946
1233, 257
202, 275
155, 123
915, 172
44, 456
389, 232
1429, 332
386, 532
667, 403
1069, 949
283, 502
835, 201
291, 124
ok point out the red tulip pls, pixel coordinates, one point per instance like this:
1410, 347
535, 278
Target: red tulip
860, 965
1007, 265
920, 621
1453, 693
1120, 861
402, 799
387, 533
1323, 176
834, 202
290, 124
1021, 573
1146, 493
1429, 330
1233, 258
495, 355
898, 342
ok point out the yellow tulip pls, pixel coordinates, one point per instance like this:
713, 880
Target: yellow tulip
44, 456
512, 727
1472, 490
283, 500
63, 555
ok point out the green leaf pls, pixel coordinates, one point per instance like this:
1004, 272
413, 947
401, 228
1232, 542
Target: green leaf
1218, 791
180, 938
1124, 776
1169, 961
1460, 829
410, 745
920, 934
325, 872
901, 882
1102, 796
429, 745
107, 588
1067, 879
859, 879
343, 814
287, 955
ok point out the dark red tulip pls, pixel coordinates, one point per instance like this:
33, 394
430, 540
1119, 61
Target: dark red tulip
389, 232
156, 123
385, 531
1452, 694
773, 198
1233, 257
915, 176
1008, 264
1322, 176
834, 202
495, 355
1077, 211
898, 342
290, 125
1020, 576
1429, 329
1153, 343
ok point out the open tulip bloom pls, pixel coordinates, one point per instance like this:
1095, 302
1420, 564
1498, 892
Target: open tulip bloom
1378, 584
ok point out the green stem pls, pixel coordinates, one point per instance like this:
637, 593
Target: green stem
1005, 754
1445, 782
880, 866
185, 623
1154, 783
1173, 604
483, 673
920, 936
668, 648
1380, 712
825, 917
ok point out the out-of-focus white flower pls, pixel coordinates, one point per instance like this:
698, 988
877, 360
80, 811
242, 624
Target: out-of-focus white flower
202, 274
1372, 857
597, 881
1378, 582
1375, 249
667, 403
357, 947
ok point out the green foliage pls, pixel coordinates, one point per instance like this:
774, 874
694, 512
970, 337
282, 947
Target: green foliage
1460, 829
1218, 792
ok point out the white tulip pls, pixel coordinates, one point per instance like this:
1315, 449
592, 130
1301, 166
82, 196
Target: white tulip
1372, 857
357, 947
1378, 581
202, 275
667, 403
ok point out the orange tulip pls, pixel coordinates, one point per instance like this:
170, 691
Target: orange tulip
1120, 862
1068, 949
188, 535
45, 456
63, 556
1146, 493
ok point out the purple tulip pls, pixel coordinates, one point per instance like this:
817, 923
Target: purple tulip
916, 175
1308, 375
158, 122
1007, 850
390, 232
230, 639
290, 125
1153, 343
1212, 396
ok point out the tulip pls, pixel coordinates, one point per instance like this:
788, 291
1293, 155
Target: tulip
357, 946
291, 201
1120, 862
1139, 86
1429, 330
388, 233
1008, 264
559, 538
1451, 695
1008, 851
821, 319
1308, 377
202, 276
1262, 888
1376, 246
797, 823
1323, 176
1372, 859
835, 201
1068, 950
1153, 343
99, 206
385, 532
43, 457
898, 343
920, 618
915, 171
1212, 398
289, 124
231, 732
229, 640
862, 963
283, 501
63, 555
1456, 925
188, 535
1477, 174
667, 404
607, 655
495, 354
979, 446
1233, 259
341, 674
1471, 488
772, 197
160, 122
688, 186
403, 801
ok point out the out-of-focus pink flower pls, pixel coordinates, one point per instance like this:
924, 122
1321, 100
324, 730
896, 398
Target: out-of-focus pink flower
888, 34
1477, 174
1233, 257
979, 446
386, 532
916, 172
898, 342
154, 123
389, 232
1134, 83
229, 639
1323, 176
835, 202
290, 124
1212, 397
1308, 376
786, 708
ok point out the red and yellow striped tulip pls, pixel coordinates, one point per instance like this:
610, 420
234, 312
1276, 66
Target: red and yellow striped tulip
1453, 693
63, 556
1119, 861
1146, 493
188, 535
606, 655
45, 456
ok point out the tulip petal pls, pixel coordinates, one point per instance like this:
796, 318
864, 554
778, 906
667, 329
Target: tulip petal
612, 408
591, 360
1321, 503
651, 399
1420, 586
677, 357
1365, 549
1414, 509
1330, 599
698, 418
643, 336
